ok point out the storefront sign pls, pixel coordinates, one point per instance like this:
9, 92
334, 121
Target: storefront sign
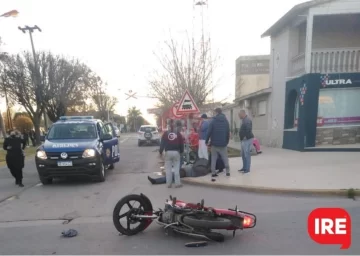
325, 81
338, 120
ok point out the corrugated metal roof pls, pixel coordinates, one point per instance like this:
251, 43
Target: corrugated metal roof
296, 10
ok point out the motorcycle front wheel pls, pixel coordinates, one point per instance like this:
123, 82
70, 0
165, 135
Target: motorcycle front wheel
126, 218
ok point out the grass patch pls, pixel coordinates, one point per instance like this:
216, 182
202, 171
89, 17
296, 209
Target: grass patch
232, 152
28, 152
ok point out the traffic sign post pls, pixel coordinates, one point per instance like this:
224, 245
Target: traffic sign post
187, 106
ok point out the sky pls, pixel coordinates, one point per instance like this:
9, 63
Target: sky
118, 38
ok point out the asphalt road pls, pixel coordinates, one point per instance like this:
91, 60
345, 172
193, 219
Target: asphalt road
32, 221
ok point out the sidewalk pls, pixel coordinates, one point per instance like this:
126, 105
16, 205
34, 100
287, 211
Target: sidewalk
286, 171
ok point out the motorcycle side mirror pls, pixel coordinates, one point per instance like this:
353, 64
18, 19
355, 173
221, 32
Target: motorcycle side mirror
170, 197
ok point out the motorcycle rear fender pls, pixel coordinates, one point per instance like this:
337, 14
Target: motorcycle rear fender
148, 203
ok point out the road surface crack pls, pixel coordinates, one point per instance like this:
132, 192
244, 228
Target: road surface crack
66, 221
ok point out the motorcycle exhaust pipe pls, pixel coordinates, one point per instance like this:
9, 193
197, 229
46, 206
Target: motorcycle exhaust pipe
145, 216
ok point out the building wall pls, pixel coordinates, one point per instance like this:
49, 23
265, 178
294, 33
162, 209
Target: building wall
252, 83
280, 45
231, 113
260, 122
252, 74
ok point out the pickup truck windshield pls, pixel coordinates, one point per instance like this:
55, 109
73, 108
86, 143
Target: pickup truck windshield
72, 131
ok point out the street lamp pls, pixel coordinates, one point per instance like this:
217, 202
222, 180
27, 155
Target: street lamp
36, 77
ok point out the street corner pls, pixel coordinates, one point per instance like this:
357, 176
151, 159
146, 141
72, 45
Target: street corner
242, 182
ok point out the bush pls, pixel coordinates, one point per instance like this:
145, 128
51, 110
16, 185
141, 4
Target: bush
23, 123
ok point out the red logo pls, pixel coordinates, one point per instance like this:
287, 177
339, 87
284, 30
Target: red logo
330, 226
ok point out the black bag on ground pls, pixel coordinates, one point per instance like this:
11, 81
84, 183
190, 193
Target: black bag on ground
200, 167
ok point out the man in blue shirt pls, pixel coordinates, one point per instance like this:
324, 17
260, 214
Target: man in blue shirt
203, 150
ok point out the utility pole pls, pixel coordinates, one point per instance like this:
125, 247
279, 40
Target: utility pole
37, 77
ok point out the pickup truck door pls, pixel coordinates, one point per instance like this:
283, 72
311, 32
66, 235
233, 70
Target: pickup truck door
113, 144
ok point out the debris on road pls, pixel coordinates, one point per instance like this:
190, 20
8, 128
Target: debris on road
69, 233
196, 244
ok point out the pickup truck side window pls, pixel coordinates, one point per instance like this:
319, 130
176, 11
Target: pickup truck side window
108, 129
100, 128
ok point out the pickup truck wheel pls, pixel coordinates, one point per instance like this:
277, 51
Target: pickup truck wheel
46, 181
101, 175
139, 143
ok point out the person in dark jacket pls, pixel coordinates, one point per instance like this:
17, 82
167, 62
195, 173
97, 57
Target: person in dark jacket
14, 145
246, 139
26, 137
219, 135
204, 126
32, 137
173, 144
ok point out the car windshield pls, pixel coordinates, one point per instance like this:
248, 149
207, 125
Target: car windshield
148, 129
72, 131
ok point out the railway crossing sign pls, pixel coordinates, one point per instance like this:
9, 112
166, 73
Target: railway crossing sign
187, 105
131, 94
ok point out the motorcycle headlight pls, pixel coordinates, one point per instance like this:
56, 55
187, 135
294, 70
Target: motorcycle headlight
89, 153
41, 154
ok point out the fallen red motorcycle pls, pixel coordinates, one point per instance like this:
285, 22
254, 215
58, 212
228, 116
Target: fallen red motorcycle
190, 219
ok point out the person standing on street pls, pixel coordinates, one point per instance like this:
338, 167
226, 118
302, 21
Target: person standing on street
14, 145
173, 144
246, 139
26, 137
32, 137
204, 126
219, 136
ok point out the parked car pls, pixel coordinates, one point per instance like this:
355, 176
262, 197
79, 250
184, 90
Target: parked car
148, 134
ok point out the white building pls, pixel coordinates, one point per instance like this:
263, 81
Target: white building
316, 45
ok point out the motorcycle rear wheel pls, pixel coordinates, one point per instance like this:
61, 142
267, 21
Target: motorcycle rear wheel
217, 237
144, 207
208, 223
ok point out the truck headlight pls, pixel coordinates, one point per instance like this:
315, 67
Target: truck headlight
41, 154
89, 153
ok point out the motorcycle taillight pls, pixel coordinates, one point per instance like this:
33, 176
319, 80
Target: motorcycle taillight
248, 222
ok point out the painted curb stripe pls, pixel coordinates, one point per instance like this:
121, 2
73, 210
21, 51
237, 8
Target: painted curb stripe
329, 192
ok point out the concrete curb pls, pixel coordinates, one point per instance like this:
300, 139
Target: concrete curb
268, 190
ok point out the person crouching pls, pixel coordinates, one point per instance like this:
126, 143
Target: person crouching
173, 144
14, 145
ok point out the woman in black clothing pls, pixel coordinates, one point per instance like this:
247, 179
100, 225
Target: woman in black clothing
14, 145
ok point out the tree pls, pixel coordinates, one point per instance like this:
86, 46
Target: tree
23, 123
119, 119
2, 123
104, 103
133, 118
8, 119
20, 114
184, 67
68, 81
27, 84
